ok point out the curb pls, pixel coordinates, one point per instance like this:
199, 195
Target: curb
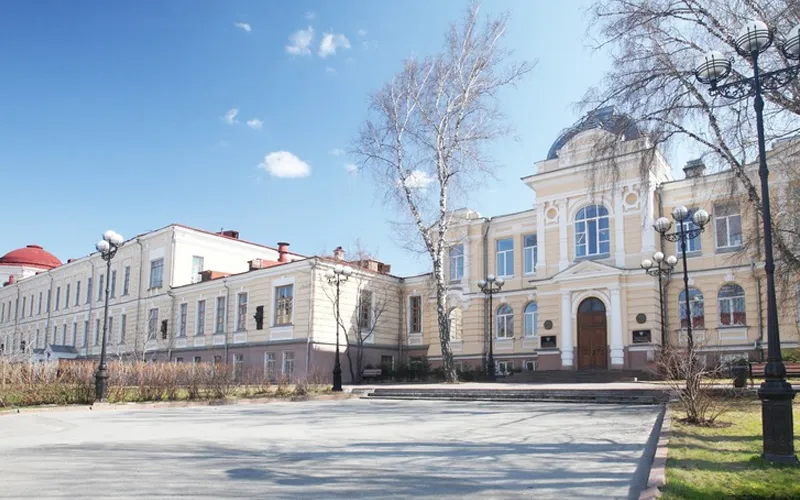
658, 473
172, 404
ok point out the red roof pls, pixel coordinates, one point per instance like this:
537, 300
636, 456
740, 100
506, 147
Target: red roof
31, 255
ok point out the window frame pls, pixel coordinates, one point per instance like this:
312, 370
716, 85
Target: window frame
183, 316
697, 241
532, 318
507, 321
411, 315
112, 285
126, 280
156, 264
456, 262
200, 318
727, 218
692, 303
152, 324
285, 304
731, 302
287, 360
219, 314
582, 219
241, 311
529, 253
459, 323
507, 256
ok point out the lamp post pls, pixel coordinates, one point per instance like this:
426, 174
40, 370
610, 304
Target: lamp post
776, 393
336, 276
490, 286
660, 267
107, 247
681, 215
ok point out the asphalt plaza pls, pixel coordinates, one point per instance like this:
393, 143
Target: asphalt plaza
329, 449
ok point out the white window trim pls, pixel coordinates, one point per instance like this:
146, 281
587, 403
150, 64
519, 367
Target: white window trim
421, 315
460, 258
535, 315
239, 312
283, 362
197, 317
183, 321
727, 231
281, 331
497, 258
596, 218
534, 250
506, 321
216, 314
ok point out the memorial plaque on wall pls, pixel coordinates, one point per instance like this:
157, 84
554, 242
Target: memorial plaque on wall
548, 341
641, 336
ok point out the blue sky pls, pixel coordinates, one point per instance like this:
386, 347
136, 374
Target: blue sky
118, 114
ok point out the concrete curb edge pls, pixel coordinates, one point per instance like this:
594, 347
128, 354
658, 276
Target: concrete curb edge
658, 469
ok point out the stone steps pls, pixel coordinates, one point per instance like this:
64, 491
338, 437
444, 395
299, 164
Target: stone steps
572, 377
599, 396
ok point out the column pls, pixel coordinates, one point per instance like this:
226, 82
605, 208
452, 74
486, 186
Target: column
566, 331
619, 230
563, 247
540, 241
617, 348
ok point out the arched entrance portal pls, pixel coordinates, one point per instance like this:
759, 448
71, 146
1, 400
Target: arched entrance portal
592, 335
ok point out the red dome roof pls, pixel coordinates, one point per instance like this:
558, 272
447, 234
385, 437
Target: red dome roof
31, 255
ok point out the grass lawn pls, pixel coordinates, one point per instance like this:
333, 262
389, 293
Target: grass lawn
725, 462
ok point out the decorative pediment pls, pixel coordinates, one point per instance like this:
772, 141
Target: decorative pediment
587, 269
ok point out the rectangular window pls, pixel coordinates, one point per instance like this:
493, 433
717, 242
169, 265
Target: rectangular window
123, 324
86, 333
197, 359
3, 313
110, 329
182, 320
156, 273
36, 339
197, 268
415, 314
66, 298
456, 262
200, 328
49, 295
64, 335
220, 316
238, 361
365, 309
217, 359
241, 312
728, 222
88, 290
24, 304
179, 360
39, 307
505, 257
504, 367
288, 363
74, 342
269, 365
283, 305
100, 284
58, 298
387, 362
152, 323
529, 253
113, 284
97, 331
30, 313
693, 244
126, 280
77, 293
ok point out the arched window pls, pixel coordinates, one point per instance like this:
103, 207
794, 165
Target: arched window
731, 305
505, 322
591, 231
455, 323
696, 304
531, 320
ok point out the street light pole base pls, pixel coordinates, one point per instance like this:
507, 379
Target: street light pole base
100, 382
777, 421
337, 379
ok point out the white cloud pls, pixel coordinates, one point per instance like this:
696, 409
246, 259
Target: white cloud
336, 152
230, 116
255, 123
351, 168
285, 165
328, 69
418, 179
244, 26
369, 44
332, 41
300, 42
310, 15
362, 32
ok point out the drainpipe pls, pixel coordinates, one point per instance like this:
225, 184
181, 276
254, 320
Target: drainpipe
139, 291
91, 306
227, 307
759, 341
401, 322
310, 331
47, 321
486, 317
16, 319
662, 244
170, 338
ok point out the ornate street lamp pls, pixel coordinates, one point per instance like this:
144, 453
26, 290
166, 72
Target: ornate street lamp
775, 392
683, 235
661, 267
336, 276
108, 246
490, 286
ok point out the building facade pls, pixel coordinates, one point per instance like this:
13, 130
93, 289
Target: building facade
574, 297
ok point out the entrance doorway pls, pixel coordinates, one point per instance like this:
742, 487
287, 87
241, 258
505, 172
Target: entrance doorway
592, 336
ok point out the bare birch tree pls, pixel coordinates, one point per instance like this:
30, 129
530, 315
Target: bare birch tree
655, 46
428, 128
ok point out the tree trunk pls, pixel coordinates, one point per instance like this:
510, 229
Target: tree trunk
444, 325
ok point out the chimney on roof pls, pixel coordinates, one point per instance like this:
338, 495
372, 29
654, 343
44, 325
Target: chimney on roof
256, 264
229, 233
338, 254
694, 168
10, 281
283, 251
212, 275
69, 261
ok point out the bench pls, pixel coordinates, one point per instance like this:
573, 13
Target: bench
371, 373
757, 369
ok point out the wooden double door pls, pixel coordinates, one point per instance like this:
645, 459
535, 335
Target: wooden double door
592, 335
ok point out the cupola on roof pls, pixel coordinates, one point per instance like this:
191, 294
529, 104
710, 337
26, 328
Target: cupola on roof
31, 255
607, 118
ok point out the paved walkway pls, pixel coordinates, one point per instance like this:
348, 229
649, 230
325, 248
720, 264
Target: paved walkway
502, 386
332, 450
